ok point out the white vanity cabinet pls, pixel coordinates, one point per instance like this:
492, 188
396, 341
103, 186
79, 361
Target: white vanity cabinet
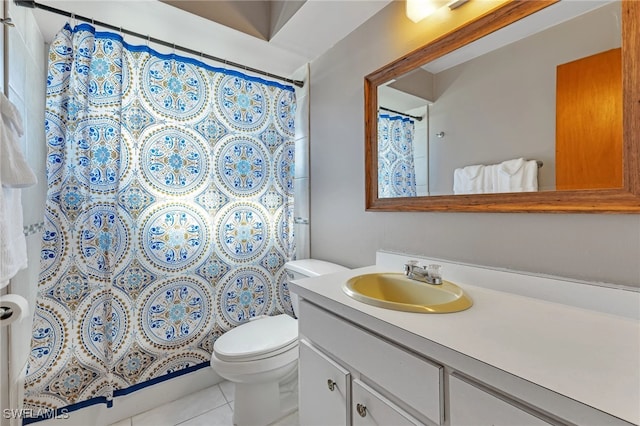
369, 408
472, 405
350, 376
510, 359
326, 387
388, 384
331, 398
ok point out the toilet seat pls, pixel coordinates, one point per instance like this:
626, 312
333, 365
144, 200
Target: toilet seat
258, 339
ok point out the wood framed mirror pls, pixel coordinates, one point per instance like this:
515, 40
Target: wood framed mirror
607, 198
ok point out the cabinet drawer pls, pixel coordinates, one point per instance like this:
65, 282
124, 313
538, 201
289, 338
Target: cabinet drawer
473, 406
371, 408
324, 389
413, 380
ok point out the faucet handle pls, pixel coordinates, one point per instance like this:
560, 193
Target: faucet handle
408, 267
435, 272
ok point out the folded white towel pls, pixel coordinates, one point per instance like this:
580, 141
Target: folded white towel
470, 180
518, 175
492, 178
14, 170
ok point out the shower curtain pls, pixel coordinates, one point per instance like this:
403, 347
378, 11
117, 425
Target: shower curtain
169, 216
396, 171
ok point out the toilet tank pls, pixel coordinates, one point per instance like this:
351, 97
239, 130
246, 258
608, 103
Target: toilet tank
306, 268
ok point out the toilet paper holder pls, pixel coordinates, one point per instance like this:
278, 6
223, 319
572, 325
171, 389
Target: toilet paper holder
5, 313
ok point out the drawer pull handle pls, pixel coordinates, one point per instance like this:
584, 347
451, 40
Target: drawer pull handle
331, 384
361, 409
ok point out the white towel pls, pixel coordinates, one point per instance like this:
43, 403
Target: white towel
518, 175
492, 178
470, 180
13, 245
14, 174
14, 170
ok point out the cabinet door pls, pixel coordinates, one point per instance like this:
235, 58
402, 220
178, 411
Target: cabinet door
324, 389
472, 406
370, 408
414, 380
589, 122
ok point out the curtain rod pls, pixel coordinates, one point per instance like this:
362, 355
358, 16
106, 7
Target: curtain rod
415, 117
34, 5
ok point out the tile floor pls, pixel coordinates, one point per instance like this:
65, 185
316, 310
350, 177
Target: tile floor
209, 407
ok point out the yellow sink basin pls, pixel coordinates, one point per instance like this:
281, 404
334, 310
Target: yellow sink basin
396, 291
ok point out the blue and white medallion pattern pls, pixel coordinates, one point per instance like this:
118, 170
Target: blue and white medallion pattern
286, 112
49, 341
55, 246
246, 294
105, 323
169, 216
243, 165
174, 236
101, 158
55, 139
174, 312
243, 231
242, 102
103, 240
173, 88
396, 171
174, 161
98, 69
285, 167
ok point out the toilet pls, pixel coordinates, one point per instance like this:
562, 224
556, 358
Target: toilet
261, 357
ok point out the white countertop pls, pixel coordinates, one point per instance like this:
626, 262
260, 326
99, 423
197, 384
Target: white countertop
588, 356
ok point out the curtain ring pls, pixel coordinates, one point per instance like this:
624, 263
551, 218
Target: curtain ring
74, 21
148, 39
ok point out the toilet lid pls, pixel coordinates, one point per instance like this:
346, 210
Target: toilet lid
254, 339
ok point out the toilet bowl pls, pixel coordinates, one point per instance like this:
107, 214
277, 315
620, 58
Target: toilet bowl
261, 357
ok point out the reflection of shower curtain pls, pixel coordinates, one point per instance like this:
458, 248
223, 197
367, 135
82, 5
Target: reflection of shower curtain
396, 172
168, 217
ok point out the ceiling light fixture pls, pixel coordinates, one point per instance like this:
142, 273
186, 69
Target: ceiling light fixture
454, 4
417, 10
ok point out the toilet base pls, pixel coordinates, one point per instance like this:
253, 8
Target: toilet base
260, 404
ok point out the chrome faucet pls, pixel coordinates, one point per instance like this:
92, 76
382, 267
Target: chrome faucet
429, 274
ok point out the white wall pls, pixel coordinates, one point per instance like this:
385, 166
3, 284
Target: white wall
593, 247
301, 177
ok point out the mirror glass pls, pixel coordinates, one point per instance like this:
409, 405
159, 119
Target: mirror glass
535, 106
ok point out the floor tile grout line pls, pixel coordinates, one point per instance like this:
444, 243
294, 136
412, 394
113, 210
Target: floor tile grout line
208, 411
201, 414
186, 396
224, 394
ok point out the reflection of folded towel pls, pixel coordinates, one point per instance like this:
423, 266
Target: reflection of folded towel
516, 175
14, 170
470, 180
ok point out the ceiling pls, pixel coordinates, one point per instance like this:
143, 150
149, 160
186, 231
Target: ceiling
278, 37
